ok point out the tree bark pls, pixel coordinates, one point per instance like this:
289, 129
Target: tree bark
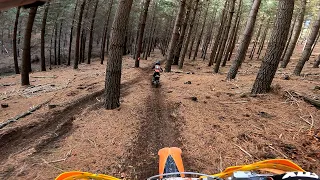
218, 35
189, 34
275, 48
83, 38
308, 48
55, 44
263, 39
233, 36
201, 31
317, 63
91, 32
208, 35
43, 41
14, 42
253, 50
195, 34
105, 32
289, 37
77, 51
71, 33
114, 64
225, 37
26, 56
182, 35
141, 31
175, 36
243, 47
296, 35
59, 45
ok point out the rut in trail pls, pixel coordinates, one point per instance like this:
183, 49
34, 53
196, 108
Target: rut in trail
159, 128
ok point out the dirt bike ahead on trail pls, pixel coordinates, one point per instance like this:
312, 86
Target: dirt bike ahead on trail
156, 75
171, 168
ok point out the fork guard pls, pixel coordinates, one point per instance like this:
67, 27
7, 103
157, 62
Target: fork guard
175, 153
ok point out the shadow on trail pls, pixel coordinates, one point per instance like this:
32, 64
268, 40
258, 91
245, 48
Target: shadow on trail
159, 128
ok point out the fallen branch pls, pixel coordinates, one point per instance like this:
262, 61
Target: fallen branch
54, 77
60, 160
312, 101
244, 151
278, 151
236, 102
33, 109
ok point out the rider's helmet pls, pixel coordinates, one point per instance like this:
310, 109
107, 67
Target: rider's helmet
158, 63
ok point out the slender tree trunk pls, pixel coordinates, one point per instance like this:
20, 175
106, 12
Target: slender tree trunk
55, 44
59, 45
14, 42
189, 34
71, 33
194, 35
43, 34
275, 48
289, 37
317, 62
19, 37
175, 36
218, 35
105, 32
182, 35
296, 35
243, 47
208, 36
308, 48
77, 51
26, 56
50, 52
117, 40
263, 39
83, 38
141, 31
233, 36
225, 36
91, 32
253, 50
201, 32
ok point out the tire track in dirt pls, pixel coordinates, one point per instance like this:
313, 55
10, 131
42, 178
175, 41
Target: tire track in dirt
158, 129
52, 125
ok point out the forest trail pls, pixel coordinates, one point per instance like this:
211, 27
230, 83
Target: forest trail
159, 128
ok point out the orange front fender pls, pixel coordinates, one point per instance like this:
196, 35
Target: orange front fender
175, 154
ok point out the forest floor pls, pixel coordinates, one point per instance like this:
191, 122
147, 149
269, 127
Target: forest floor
213, 120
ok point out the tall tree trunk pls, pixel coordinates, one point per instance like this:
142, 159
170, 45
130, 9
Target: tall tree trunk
26, 56
275, 48
55, 44
141, 31
59, 45
43, 34
218, 35
263, 39
243, 47
233, 36
308, 48
208, 37
117, 40
71, 33
296, 35
317, 62
175, 36
14, 42
105, 32
253, 50
225, 36
91, 32
189, 34
19, 37
77, 51
182, 35
289, 37
201, 31
195, 34
83, 38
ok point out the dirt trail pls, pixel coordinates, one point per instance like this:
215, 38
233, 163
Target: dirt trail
158, 129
